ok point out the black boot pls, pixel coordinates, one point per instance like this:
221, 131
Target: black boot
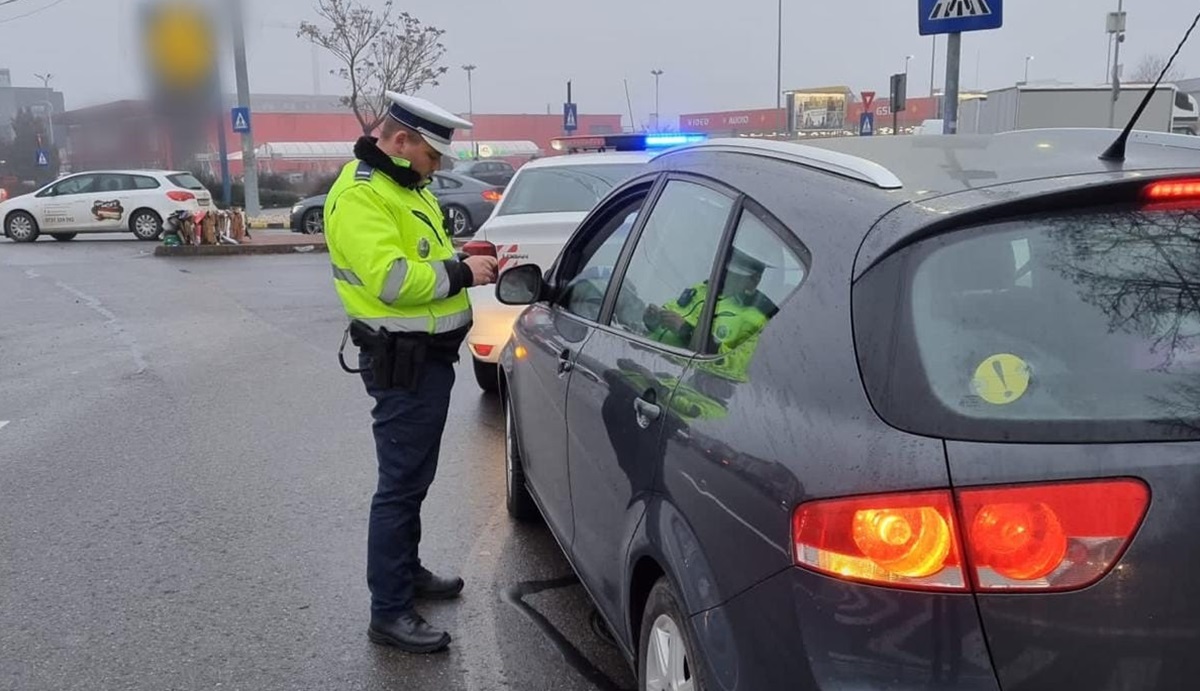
431, 587
408, 632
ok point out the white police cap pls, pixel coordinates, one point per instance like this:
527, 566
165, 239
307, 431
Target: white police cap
436, 124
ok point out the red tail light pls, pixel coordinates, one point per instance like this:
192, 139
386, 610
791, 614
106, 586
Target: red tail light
492, 196
894, 539
479, 248
1050, 537
1173, 191
1042, 537
180, 196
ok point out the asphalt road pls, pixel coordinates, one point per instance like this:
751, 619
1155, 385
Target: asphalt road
185, 476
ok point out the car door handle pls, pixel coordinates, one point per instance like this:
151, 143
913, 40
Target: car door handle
647, 412
564, 362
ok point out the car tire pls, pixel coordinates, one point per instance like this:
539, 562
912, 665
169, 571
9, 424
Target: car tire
63, 237
146, 224
21, 227
313, 222
487, 375
519, 501
665, 636
459, 221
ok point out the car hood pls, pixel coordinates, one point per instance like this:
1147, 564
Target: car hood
534, 222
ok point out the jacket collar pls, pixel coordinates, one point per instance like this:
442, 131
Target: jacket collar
367, 150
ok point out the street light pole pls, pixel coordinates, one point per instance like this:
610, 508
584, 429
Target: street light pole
779, 68
932, 65
471, 107
1116, 27
249, 160
657, 74
45, 79
1028, 58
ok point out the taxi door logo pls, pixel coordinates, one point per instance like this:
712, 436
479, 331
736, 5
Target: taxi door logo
108, 210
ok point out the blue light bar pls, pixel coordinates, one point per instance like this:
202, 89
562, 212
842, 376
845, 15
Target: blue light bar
658, 141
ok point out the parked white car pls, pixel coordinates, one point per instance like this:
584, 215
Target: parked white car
117, 201
542, 205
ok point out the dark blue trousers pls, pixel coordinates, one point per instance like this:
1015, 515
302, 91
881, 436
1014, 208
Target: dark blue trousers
408, 429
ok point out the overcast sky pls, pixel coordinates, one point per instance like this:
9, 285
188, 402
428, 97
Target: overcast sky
716, 54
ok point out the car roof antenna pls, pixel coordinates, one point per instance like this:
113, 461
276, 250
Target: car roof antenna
1116, 151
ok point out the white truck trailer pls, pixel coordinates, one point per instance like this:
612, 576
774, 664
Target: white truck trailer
1031, 106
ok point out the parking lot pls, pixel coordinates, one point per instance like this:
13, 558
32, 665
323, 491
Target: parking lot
185, 476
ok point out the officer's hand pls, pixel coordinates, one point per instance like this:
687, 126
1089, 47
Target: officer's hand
483, 269
673, 321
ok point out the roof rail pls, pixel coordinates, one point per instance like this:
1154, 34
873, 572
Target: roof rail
823, 159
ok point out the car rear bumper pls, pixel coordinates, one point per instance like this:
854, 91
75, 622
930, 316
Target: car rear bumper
802, 630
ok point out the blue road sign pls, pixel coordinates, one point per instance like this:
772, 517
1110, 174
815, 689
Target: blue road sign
43, 158
241, 119
955, 16
570, 117
866, 124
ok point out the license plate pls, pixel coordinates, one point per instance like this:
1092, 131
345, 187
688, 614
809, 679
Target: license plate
203, 202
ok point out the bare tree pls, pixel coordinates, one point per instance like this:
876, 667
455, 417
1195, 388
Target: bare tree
1151, 66
379, 51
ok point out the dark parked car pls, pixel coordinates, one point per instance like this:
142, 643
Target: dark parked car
493, 172
465, 201
877, 413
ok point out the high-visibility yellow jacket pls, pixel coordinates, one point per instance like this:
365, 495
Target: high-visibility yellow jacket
394, 266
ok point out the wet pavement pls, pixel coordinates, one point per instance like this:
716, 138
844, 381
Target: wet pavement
185, 476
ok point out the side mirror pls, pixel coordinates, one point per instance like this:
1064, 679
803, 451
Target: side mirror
520, 285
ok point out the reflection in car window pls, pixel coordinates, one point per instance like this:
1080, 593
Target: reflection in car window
584, 294
76, 185
760, 273
564, 188
662, 295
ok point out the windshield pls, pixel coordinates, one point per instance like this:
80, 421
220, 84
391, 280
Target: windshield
1076, 326
563, 188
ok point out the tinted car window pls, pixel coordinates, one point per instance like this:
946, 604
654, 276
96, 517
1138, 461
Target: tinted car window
584, 293
448, 183
662, 293
1075, 327
760, 273
186, 181
563, 188
143, 182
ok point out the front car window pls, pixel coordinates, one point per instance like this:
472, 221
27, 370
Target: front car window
1074, 327
583, 294
565, 188
81, 184
663, 293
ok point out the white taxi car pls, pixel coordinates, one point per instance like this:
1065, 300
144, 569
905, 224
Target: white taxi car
542, 205
117, 201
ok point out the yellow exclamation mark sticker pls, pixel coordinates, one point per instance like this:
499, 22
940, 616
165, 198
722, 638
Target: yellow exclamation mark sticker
1001, 379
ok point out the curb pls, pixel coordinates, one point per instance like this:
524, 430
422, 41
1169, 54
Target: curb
230, 250
267, 225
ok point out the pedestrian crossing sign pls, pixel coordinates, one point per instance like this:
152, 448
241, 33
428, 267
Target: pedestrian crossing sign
43, 159
956, 16
866, 124
241, 119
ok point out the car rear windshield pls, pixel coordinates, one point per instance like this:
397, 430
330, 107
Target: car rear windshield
564, 188
186, 180
1072, 328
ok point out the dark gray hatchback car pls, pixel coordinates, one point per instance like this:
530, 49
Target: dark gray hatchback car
877, 413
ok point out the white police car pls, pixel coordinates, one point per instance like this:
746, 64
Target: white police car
542, 205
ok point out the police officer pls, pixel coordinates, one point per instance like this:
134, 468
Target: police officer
404, 289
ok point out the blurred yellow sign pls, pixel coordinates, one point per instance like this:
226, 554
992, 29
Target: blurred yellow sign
180, 44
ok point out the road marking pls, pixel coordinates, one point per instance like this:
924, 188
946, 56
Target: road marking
3, 424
